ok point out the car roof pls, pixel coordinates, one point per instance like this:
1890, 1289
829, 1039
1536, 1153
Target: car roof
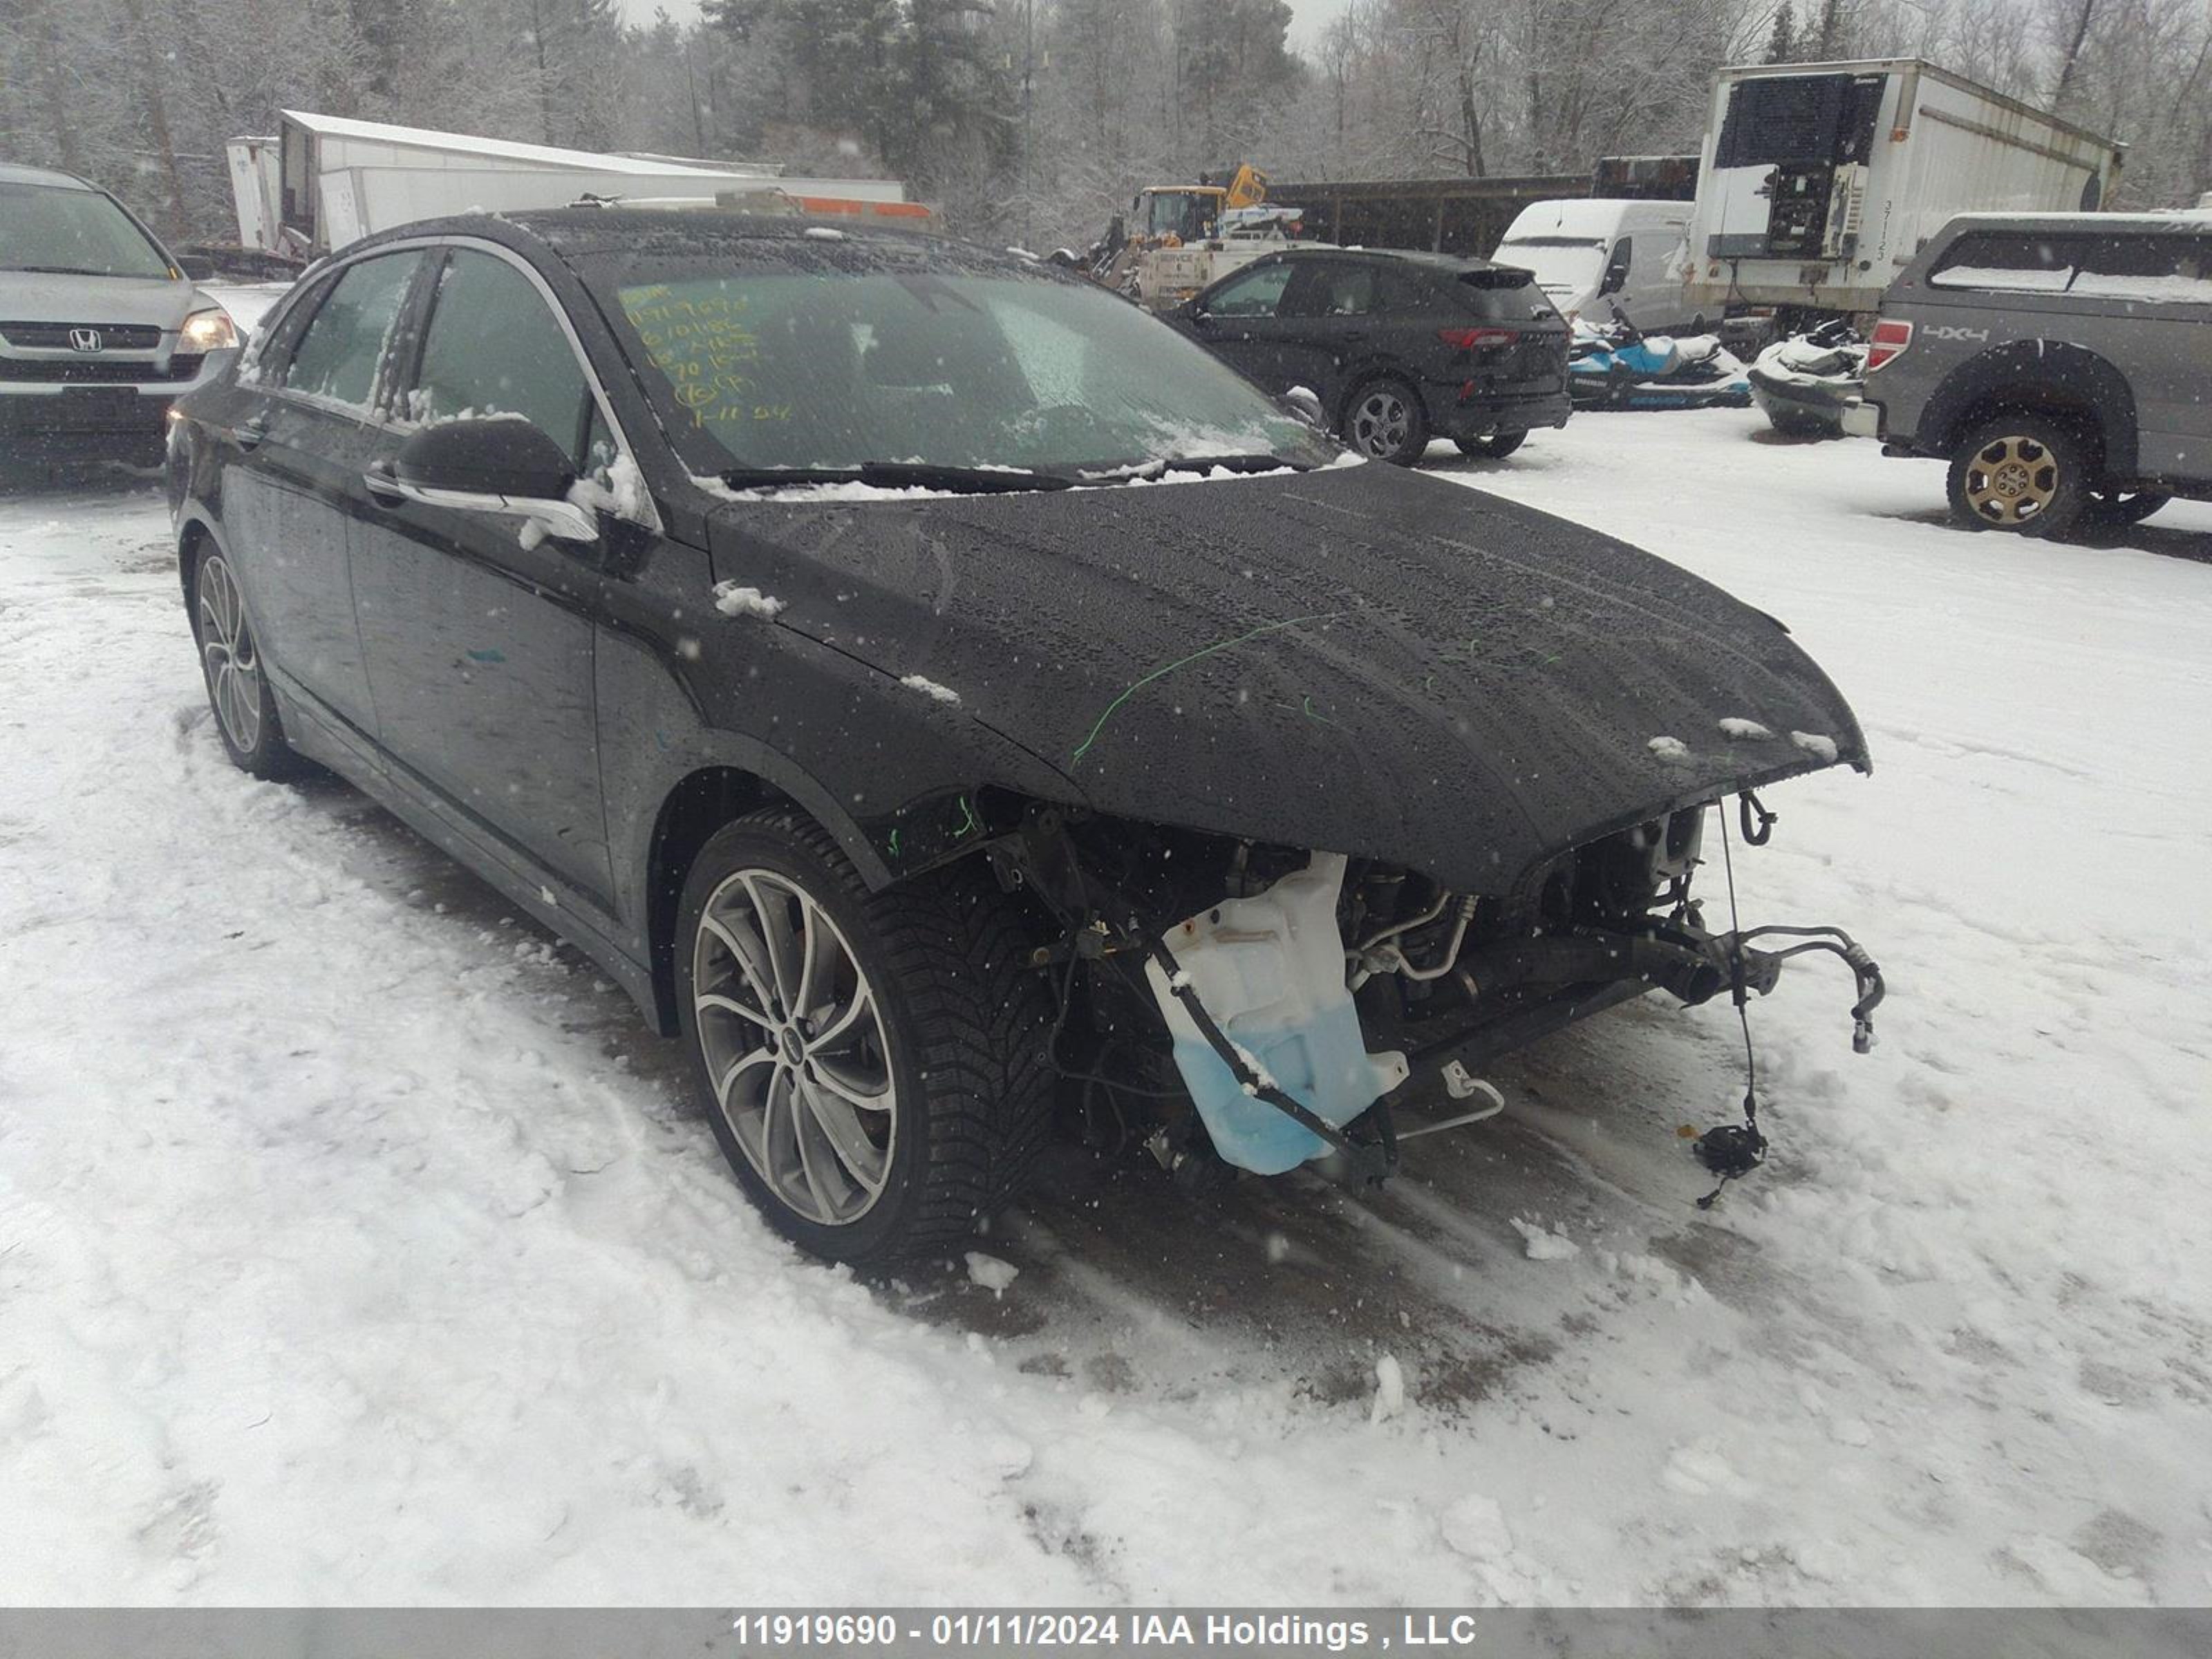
814, 241
1450, 263
11, 173
2183, 219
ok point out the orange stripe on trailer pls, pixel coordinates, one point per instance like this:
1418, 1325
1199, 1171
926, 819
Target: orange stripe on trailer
845, 204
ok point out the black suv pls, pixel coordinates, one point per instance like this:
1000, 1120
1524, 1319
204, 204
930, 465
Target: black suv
2060, 362
947, 697
1399, 348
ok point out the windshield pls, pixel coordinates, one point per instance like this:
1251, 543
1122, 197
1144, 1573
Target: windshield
832, 370
1563, 265
1188, 214
78, 232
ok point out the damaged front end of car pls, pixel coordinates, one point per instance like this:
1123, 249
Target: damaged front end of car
1235, 1005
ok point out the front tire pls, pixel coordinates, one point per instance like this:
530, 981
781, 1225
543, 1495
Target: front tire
237, 689
2020, 473
1494, 448
874, 1065
1384, 420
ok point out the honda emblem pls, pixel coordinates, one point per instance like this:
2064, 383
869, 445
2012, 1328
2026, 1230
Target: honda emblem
84, 339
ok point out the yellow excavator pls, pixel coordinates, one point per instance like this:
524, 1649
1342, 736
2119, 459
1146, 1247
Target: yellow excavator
1177, 239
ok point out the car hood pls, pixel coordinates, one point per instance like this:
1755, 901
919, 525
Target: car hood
38, 297
1356, 660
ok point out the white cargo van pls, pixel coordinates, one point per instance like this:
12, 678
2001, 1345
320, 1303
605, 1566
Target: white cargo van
1591, 252
1821, 182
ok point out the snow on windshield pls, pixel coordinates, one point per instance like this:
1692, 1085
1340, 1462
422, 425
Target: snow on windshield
828, 370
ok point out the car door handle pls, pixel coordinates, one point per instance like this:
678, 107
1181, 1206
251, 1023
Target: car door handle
1353, 334
377, 478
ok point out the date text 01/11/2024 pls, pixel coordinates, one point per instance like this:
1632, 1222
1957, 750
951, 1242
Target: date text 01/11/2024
1023, 1629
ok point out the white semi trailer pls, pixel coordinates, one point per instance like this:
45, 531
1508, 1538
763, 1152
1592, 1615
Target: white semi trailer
1820, 181
325, 180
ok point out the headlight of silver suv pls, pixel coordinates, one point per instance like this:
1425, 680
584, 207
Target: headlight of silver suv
207, 331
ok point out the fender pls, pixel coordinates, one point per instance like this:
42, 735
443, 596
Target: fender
2073, 371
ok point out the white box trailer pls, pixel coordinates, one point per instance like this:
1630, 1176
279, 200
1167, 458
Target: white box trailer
326, 181
1821, 182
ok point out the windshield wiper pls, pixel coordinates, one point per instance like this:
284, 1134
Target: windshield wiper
59, 270
897, 475
1159, 466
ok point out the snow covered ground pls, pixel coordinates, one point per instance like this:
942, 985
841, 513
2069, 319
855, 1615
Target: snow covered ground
357, 1243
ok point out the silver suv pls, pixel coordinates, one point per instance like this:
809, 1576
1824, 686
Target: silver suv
100, 330
2060, 362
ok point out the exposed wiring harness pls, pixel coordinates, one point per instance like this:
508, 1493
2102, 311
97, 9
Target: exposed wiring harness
1734, 1150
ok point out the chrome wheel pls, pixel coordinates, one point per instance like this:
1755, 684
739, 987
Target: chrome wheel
794, 1047
2011, 481
227, 651
1381, 421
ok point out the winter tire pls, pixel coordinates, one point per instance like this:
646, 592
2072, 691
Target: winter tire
2021, 473
238, 691
1383, 420
874, 1065
1495, 448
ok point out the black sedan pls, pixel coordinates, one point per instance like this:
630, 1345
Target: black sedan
953, 703
1399, 348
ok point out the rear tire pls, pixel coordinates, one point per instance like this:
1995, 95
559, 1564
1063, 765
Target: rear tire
2021, 473
1495, 448
877, 1079
237, 689
1384, 420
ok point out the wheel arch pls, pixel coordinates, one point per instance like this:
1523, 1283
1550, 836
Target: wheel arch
1358, 379
195, 536
2044, 377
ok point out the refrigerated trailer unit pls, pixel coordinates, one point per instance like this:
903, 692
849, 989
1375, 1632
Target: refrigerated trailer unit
325, 180
1821, 182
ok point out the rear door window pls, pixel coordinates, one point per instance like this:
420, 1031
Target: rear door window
1332, 287
337, 357
493, 347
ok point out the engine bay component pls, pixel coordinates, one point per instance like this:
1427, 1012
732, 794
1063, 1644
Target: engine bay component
1269, 972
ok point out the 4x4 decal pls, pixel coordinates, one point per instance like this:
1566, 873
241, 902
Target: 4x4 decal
1952, 331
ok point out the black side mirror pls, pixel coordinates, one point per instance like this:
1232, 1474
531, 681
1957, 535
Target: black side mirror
504, 465
197, 267
503, 455
1302, 402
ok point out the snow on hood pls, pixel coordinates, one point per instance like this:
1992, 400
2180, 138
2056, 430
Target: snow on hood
1354, 659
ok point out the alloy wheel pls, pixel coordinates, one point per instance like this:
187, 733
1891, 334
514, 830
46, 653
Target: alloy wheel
2011, 480
794, 1046
1380, 423
233, 667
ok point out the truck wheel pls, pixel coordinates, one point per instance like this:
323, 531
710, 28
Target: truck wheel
2123, 507
1495, 448
2021, 473
1384, 420
238, 692
874, 1065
